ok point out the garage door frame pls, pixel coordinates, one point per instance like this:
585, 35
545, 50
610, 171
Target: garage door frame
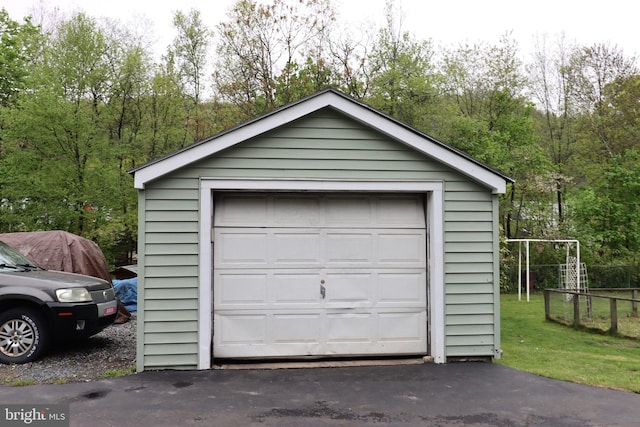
433, 191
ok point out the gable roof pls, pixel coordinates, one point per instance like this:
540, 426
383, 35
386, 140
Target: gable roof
413, 138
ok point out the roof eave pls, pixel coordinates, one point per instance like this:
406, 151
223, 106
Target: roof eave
357, 110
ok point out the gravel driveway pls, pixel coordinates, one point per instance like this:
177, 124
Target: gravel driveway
112, 350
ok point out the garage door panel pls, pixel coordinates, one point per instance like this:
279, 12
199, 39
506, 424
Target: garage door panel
400, 212
349, 289
313, 248
344, 248
245, 210
348, 328
242, 247
330, 332
297, 328
402, 327
329, 211
296, 288
348, 212
240, 329
267, 288
289, 211
295, 247
402, 248
402, 288
241, 290
320, 275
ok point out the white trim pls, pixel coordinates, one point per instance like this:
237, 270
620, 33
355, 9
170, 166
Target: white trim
319, 185
435, 233
341, 103
205, 271
435, 194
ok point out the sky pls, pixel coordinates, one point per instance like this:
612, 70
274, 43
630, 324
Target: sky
447, 23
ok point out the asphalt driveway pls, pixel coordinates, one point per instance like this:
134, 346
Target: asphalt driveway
469, 394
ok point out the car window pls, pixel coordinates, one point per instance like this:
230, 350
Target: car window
10, 259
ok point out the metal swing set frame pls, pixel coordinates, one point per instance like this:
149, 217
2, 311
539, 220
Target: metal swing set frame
527, 242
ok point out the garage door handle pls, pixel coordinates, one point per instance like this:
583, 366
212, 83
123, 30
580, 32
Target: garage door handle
323, 291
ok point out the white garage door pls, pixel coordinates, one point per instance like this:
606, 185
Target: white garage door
319, 275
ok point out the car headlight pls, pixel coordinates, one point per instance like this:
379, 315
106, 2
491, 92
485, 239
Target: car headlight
73, 295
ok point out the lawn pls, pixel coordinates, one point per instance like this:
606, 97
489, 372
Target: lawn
531, 344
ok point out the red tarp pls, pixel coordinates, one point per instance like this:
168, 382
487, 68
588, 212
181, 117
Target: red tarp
61, 251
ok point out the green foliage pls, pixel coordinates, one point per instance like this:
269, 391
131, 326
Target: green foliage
114, 373
296, 82
18, 50
65, 149
189, 53
83, 104
607, 214
403, 81
260, 47
59, 123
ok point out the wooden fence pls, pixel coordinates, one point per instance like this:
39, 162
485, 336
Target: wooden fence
601, 309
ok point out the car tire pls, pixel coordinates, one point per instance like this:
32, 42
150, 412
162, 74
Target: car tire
23, 335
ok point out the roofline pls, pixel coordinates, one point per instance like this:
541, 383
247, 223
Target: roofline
427, 136
343, 103
232, 129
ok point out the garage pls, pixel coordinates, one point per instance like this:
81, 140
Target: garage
319, 275
324, 229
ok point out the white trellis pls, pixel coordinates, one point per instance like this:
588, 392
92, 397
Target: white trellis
572, 278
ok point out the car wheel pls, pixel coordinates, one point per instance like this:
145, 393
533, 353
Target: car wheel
23, 336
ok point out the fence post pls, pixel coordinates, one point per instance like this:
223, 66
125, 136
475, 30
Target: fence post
614, 315
576, 310
634, 303
547, 305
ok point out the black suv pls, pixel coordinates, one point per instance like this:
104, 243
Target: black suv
38, 307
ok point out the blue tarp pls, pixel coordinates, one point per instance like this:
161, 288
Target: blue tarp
127, 291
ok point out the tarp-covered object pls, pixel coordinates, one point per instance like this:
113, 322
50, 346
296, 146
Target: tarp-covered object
61, 251
127, 291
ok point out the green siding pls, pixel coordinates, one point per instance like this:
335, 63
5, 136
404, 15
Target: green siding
324, 145
170, 246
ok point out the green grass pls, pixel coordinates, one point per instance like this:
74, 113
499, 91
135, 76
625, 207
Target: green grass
120, 372
20, 383
531, 344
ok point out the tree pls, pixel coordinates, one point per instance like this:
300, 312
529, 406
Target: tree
493, 121
620, 112
166, 119
549, 83
593, 69
402, 74
18, 50
607, 214
298, 81
18, 53
262, 45
59, 158
349, 61
124, 121
188, 54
